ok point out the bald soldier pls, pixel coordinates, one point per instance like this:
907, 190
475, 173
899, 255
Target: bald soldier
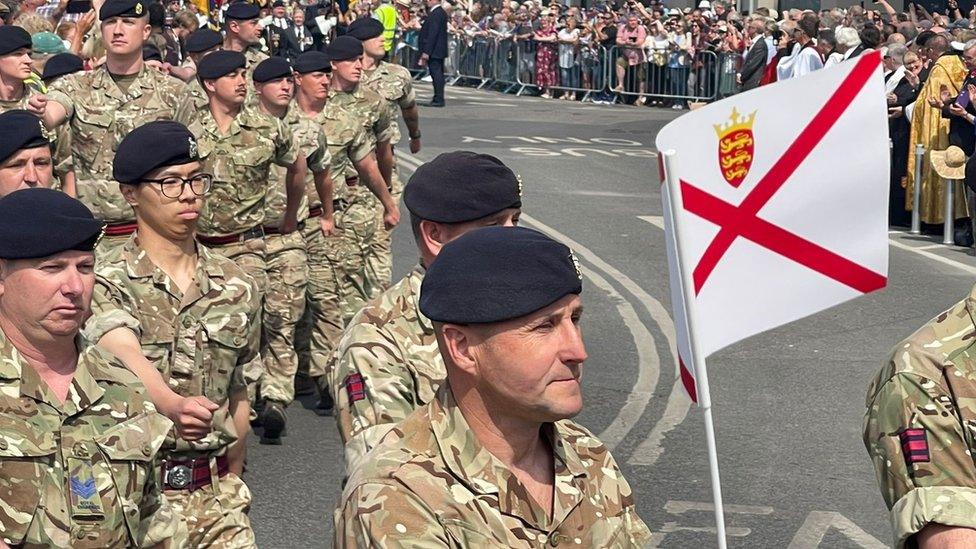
183, 319
25, 153
287, 260
78, 440
493, 460
387, 363
103, 105
394, 84
919, 432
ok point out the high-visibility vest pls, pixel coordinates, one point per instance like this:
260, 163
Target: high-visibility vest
386, 14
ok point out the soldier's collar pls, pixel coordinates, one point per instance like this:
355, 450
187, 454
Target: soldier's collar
417, 278
137, 262
10, 363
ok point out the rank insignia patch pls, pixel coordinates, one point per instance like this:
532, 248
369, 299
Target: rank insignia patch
355, 387
914, 445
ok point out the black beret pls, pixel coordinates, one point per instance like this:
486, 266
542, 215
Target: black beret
154, 145
278, 4
151, 53
19, 130
313, 61
462, 186
62, 64
202, 40
242, 11
344, 47
271, 68
12, 38
220, 63
38, 222
365, 28
497, 273
122, 8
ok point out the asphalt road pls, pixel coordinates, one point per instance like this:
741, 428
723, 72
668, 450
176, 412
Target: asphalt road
788, 404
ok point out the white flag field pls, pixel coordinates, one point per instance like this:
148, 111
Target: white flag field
775, 208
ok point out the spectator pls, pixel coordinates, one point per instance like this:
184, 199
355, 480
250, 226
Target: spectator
827, 46
545, 55
569, 38
658, 47
848, 42
805, 57
755, 61
630, 41
904, 86
679, 40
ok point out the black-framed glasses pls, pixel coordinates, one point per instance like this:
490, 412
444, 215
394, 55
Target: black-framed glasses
172, 186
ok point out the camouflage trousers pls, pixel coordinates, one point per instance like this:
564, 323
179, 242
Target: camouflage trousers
215, 516
379, 256
284, 303
321, 326
355, 232
249, 256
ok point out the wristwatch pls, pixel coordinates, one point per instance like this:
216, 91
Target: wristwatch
415, 136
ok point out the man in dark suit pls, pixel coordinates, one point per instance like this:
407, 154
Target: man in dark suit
433, 48
752, 68
296, 38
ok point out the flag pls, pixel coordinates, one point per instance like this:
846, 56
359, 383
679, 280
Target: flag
777, 206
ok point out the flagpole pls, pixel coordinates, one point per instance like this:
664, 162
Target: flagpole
698, 360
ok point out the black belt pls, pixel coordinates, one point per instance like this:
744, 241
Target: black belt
254, 232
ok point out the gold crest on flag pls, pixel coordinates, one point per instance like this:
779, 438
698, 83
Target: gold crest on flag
736, 146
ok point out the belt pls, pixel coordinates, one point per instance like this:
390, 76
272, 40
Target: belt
120, 229
191, 475
352, 181
338, 205
254, 232
277, 230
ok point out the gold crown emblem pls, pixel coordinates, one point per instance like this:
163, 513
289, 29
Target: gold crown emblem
735, 123
193, 147
139, 8
576, 265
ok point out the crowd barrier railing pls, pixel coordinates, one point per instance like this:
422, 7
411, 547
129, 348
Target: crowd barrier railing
505, 65
696, 79
475, 55
587, 74
407, 56
917, 190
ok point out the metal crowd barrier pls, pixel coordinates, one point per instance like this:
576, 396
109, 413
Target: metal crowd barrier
505, 64
475, 60
700, 79
407, 56
917, 190
585, 69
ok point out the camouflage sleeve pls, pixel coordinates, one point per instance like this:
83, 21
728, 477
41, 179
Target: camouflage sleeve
61, 92
110, 310
384, 127
63, 162
286, 147
386, 515
373, 391
409, 98
914, 436
158, 522
362, 145
319, 158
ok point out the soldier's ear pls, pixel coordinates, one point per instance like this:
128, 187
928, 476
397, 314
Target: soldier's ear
433, 235
457, 349
129, 194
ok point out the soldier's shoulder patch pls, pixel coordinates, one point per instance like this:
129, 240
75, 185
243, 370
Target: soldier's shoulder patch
355, 387
914, 446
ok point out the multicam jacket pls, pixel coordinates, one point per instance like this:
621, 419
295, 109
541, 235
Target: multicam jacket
393, 83
241, 164
431, 483
386, 365
81, 473
310, 140
199, 341
100, 114
354, 122
919, 427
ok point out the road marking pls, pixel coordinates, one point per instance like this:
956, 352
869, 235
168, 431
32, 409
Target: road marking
489, 103
677, 406
731, 531
934, 257
681, 507
818, 523
655, 220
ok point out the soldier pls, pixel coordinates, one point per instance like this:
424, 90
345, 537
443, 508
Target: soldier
199, 43
349, 144
238, 145
361, 106
104, 105
79, 439
243, 33
25, 153
183, 319
493, 460
16, 67
60, 65
388, 353
287, 261
395, 84
918, 432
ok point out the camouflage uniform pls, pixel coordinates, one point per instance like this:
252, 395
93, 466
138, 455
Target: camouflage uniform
386, 366
62, 464
60, 137
430, 482
194, 101
100, 114
201, 343
334, 262
287, 261
349, 111
918, 427
241, 164
393, 83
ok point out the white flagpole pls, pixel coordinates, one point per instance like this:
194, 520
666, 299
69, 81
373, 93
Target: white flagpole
701, 372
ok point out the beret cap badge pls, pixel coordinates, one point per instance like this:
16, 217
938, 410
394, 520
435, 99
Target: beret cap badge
194, 153
138, 9
576, 265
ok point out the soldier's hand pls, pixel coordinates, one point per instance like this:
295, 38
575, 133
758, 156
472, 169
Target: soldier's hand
415, 146
288, 226
391, 216
37, 105
327, 226
192, 416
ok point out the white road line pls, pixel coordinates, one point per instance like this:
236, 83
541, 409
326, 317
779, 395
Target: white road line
655, 220
681, 507
678, 404
934, 257
489, 103
731, 531
818, 523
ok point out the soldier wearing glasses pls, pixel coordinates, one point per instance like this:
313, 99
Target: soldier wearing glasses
182, 318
